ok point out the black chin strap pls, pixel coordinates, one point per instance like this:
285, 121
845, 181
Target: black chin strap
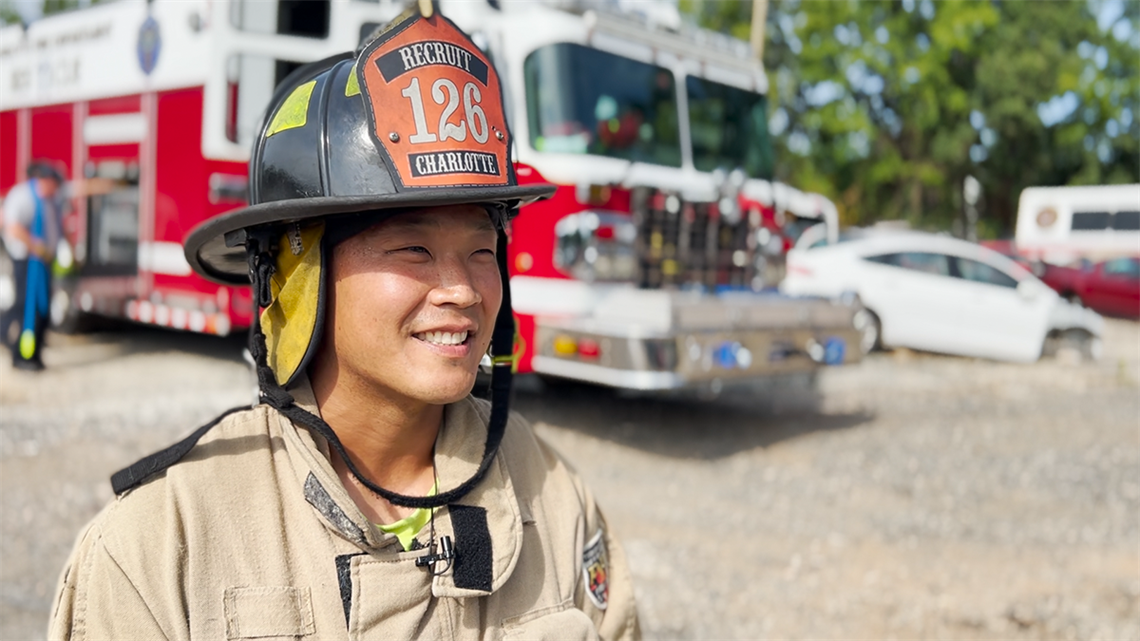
277, 397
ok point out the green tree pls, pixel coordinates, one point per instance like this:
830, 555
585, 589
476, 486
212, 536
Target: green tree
59, 6
8, 13
887, 107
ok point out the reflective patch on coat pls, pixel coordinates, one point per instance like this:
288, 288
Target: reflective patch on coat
595, 571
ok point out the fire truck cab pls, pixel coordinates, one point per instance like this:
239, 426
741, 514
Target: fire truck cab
651, 268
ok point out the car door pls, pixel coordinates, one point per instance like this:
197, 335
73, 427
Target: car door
997, 319
1117, 287
907, 291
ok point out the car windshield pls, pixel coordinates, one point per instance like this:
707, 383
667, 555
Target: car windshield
1128, 267
796, 227
729, 128
584, 101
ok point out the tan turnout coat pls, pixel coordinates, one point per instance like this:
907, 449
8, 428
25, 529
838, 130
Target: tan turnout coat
252, 536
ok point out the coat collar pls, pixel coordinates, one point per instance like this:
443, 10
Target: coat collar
485, 526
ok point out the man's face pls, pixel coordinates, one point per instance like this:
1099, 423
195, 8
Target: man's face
47, 187
412, 303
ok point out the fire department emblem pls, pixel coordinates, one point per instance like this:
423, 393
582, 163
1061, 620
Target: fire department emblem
595, 571
150, 43
436, 106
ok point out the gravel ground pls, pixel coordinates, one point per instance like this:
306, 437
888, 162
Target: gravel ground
912, 496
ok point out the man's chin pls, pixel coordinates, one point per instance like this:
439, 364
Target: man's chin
447, 390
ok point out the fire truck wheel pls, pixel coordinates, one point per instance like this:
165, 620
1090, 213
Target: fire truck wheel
66, 317
7, 283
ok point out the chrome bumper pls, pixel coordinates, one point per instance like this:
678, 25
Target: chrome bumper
688, 340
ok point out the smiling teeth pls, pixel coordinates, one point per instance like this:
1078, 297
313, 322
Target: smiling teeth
443, 338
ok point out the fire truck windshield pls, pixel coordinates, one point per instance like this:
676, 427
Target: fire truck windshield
585, 101
729, 128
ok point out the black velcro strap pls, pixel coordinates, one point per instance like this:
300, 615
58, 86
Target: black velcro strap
344, 579
135, 475
473, 552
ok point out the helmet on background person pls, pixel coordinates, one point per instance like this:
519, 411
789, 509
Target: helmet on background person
345, 143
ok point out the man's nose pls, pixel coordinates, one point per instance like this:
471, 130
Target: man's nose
456, 285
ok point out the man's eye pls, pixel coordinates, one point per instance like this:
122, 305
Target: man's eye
415, 249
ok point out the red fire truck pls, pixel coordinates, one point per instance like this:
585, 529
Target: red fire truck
649, 269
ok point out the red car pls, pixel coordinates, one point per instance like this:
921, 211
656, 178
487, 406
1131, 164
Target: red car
1111, 287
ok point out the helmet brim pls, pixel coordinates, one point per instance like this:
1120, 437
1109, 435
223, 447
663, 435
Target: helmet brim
206, 250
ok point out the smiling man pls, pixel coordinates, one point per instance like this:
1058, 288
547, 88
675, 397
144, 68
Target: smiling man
410, 317
368, 495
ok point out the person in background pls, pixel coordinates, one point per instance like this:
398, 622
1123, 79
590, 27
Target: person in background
31, 231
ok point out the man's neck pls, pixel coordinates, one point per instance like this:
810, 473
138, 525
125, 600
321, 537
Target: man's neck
389, 439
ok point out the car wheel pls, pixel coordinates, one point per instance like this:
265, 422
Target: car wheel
870, 331
1074, 345
1090, 347
1074, 298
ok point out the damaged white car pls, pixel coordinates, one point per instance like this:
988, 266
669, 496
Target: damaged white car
941, 294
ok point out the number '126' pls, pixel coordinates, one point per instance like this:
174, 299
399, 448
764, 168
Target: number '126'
444, 90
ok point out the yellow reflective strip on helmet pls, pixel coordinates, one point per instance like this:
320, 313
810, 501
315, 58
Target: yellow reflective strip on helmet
294, 111
352, 87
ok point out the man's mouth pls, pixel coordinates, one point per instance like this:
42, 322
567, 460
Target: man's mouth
443, 338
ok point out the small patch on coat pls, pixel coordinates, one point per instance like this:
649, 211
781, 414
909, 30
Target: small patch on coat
595, 570
319, 498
